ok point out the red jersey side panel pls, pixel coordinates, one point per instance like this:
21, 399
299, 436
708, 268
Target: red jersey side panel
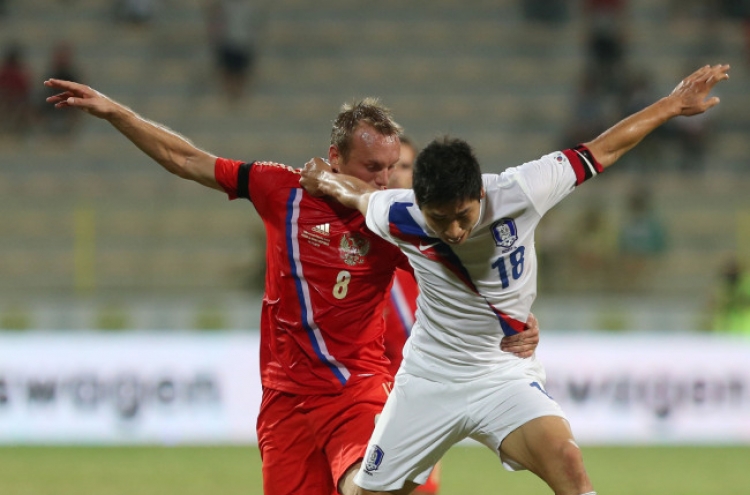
399, 315
326, 277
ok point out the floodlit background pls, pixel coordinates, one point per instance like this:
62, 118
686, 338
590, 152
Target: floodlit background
100, 244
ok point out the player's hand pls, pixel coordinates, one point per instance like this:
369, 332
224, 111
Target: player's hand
692, 93
80, 96
311, 175
523, 344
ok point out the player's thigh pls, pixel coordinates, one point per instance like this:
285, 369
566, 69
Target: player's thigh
545, 446
345, 423
505, 405
537, 445
420, 421
292, 461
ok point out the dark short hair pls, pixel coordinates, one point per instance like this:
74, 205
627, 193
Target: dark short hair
367, 110
447, 171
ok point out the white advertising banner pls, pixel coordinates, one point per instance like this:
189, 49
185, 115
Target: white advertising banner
191, 388
635, 388
130, 387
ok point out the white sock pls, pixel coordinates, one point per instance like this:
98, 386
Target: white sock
589, 493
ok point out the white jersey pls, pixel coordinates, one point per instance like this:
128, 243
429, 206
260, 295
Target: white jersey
473, 294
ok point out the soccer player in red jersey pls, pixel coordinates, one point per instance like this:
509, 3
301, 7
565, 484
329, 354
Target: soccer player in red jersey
323, 369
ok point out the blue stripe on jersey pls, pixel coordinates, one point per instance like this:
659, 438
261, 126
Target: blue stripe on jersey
303, 291
403, 309
403, 226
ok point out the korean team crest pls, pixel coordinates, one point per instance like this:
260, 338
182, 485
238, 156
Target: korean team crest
353, 249
373, 459
505, 233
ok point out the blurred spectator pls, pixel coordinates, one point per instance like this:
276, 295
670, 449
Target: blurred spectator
689, 141
233, 27
705, 18
592, 243
136, 12
548, 11
732, 302
739, 10
735, 9
639, 92
606, 44
607, 9
601, 84
15, 92
642, 239
61, 66
691, 9
590, 113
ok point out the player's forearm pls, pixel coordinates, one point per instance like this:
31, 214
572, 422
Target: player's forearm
169, 149
609, 146
347, 190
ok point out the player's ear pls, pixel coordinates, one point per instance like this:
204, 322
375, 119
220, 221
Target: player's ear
482, 194
333, 158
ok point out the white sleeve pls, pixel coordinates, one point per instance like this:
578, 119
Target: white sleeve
377, 213
545, 181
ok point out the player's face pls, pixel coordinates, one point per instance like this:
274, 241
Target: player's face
371, 156
400, 176
453, 222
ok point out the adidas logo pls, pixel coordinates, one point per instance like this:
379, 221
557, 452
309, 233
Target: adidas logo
323, 228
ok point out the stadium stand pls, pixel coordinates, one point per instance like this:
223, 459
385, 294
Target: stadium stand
92, 219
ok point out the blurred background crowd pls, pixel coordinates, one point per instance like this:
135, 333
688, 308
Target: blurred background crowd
95, 236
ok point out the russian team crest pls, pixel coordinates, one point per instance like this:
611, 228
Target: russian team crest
505, 233
374, 458
353, 249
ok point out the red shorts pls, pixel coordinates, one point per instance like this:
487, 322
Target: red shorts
432, 485
308, 442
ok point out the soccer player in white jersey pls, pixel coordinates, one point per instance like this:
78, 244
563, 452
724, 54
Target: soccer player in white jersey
470, 239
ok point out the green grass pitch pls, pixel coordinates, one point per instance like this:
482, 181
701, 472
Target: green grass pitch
467, 470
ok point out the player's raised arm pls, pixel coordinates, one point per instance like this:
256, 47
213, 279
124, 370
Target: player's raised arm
171, 150
690, 97
319, 180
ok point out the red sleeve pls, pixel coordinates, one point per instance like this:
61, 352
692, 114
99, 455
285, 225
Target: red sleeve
227, 173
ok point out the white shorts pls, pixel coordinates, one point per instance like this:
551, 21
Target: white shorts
422, 419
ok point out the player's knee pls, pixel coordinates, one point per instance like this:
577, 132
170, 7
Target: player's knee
346, 484
572, 459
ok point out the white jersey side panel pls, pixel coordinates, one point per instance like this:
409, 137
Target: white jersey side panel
473, 294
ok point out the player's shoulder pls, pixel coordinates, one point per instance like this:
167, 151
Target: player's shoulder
266, 166
515, 175
273, 175
390, 196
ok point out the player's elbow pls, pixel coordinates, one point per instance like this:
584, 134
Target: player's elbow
198, 168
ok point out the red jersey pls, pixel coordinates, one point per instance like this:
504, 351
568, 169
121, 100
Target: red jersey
399, 315
326, 280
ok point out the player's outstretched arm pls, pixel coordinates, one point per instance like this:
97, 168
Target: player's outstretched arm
171, 150
690, 97
319, 180
523, 344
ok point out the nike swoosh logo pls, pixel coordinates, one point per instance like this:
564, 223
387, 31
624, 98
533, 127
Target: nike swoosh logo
425, 247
